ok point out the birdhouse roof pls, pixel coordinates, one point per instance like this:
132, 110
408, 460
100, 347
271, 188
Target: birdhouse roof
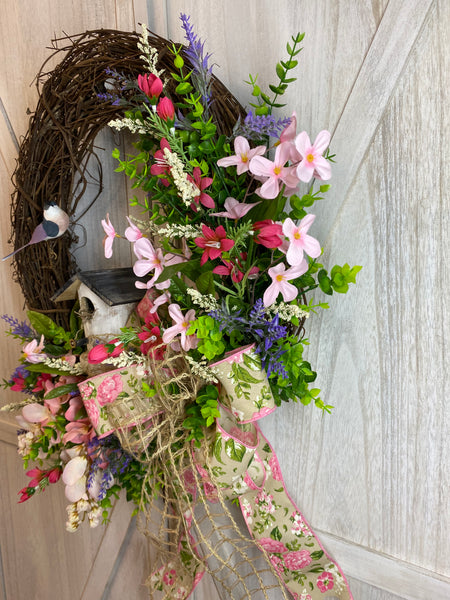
113, 286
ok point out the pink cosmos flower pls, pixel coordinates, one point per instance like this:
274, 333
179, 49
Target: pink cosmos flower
214, 242
312, 160
288, 135
201, 183
110, 235
132, 233
165, 109
151, 85
33, 351
150, 259
325, 582
181, 325
295, 561
275, 172
243, 155
280, 282
299, 241
235, 209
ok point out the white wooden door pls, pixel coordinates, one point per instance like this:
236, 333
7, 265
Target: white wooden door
372, 478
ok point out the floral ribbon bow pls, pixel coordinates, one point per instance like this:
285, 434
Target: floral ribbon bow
244, 466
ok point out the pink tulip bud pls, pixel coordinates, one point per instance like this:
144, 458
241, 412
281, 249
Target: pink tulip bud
151, 85
166, 109
54, 475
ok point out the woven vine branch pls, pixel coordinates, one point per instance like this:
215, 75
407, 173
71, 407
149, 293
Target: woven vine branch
53, 157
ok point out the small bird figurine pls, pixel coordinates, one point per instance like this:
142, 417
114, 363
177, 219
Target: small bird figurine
54, 224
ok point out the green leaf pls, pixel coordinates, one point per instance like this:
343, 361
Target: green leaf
280, 71
40, 368
218, 449
234, 450
275, 534
44, 325
61, 390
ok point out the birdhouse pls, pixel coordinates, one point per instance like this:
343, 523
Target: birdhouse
107, 298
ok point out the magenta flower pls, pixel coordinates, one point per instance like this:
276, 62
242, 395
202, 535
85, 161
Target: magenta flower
325, 582
268, 233
280, 282
165, 109
214, 242
243, 155
181, 325
235, 209
161, 166
110, 235
201, 183
299, 240
275, 172
313, 163
151, 85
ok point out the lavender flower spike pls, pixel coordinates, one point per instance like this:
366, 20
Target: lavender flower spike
201, 75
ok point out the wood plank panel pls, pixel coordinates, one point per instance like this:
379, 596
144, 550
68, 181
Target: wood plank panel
40, 559
376, 470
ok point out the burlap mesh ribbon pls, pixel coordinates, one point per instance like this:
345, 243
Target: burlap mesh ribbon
186, 510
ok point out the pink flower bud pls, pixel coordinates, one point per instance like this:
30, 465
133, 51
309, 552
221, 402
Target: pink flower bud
151, 85
166, 109
54, 475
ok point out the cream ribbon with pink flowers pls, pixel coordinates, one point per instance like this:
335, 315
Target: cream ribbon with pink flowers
244, 465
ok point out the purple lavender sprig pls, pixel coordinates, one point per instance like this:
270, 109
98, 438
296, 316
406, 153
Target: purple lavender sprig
107, 451
258, 326
256, 127
19, 329
195, 52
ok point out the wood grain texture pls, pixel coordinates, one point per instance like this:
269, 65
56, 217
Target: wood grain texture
40, 559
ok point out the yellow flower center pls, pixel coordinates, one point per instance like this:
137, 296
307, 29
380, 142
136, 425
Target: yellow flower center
279, 277
185, 324
297, 235
277, 170
310, 157
244, 157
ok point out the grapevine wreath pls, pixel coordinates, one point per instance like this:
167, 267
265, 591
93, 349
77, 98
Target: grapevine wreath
166, 407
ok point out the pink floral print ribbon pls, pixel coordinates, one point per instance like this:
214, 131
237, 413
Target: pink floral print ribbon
102, 390
244, 465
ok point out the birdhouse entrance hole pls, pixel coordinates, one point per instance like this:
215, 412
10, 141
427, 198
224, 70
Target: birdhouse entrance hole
87, 308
